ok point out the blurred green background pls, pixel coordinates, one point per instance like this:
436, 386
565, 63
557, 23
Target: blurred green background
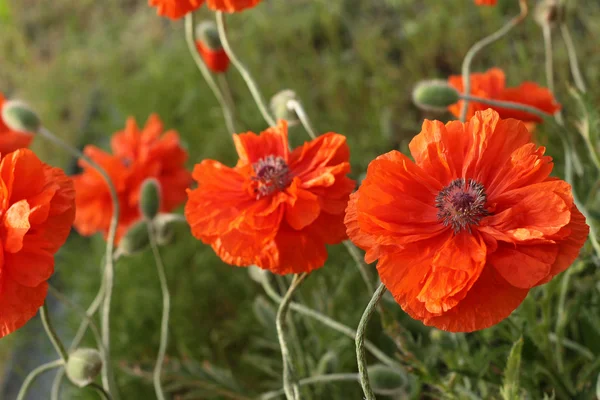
87, 65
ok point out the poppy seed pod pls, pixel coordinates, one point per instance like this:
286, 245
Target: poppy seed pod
281, 110
150, 198
135, 240
19, 117
434, 95
385, 380
83, 366
208, 34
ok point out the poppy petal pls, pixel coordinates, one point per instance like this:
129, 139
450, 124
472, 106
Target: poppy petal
272, 142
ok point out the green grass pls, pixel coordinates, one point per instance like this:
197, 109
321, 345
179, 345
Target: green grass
87, 65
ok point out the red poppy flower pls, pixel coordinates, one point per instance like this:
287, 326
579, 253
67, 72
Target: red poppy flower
465, 231
492, 85
276, 209
176, 9
137, 155
37, 204
11, 140
216, 60
486, 2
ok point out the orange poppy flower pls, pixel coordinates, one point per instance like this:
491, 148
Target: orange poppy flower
486, 2
176, 9
492, 85
11, 140
137, 155
465, 231
216, 60
37, 207
276, 208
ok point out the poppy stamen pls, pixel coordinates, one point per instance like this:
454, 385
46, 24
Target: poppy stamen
462, 204
272, 174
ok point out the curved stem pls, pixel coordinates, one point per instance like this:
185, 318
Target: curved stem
294, 105
164, 326
333, 324
477, 47
94, 306
103, 393
289, 384
243, 71
65, 300
507, 104
58, 346
208, 77
549, 65
360, 342
311, 381
573, 62
362, 267
56, 384
109, 273
34, 374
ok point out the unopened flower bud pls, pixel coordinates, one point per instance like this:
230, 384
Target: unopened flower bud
257, 274
83, 366
280, 106
385, 380
19, 117
549, 12
135, 240
207, 33
165, 226
150, 198
434, 95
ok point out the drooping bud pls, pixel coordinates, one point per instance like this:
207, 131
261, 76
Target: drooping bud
434, 95
549, 12
150, 198
210, 48
135, 240
83, 366
385, 380
280, 106
165, 226
19, 117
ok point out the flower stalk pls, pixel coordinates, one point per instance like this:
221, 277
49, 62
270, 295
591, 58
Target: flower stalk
208, 77
56, 342
243, 70
34, 374
289, 380
109, 273
477, 47
360, 342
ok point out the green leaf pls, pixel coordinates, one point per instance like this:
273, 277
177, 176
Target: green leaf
511, 389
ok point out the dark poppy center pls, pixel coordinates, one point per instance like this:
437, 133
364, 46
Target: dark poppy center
461, 204
271, 174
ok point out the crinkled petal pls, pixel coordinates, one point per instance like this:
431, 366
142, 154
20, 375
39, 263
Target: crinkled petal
272, 142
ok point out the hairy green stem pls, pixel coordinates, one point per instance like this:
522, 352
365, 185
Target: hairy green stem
477, 47
56, 384
34, 374
109, 272
507, 104
164, 326
360, 342
208, 77
311, 381
289, 379
573, 61
58, 346
243, 70
331, 323
294, 105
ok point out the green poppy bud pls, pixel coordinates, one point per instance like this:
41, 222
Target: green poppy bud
257, 274
83, 366
549, 12
208, 34
280, 106
385, 380
19, 117
434, 95
150, 198
135, 240
165, 226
